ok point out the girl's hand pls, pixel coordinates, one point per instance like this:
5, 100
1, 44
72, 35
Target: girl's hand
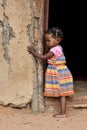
31, 50
48, 55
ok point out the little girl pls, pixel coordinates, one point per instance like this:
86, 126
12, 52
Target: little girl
58, 78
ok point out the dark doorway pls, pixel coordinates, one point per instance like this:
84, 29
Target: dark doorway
71, 17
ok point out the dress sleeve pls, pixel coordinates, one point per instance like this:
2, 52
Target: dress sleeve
57, 51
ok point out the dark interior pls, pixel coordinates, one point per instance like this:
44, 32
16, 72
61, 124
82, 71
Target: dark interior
71, 17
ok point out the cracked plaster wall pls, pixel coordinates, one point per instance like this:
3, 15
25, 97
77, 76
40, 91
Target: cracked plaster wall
16, 65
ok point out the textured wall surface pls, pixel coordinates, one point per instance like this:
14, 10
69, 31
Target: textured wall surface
16, 65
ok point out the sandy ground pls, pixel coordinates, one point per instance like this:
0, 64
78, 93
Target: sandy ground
23, 119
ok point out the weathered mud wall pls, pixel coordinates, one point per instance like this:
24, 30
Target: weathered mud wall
16, 65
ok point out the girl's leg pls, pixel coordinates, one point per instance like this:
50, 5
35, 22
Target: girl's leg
62, 107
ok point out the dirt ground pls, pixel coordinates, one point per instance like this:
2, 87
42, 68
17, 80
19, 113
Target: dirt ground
24, 119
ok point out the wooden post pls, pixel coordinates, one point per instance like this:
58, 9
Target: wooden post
46, 14
41, 8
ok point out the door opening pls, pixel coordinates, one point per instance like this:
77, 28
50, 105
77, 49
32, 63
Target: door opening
71, 17
66, 16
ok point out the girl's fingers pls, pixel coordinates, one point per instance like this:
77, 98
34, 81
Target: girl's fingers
30, 49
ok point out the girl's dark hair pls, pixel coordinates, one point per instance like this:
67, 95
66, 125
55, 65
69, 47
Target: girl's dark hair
55, 32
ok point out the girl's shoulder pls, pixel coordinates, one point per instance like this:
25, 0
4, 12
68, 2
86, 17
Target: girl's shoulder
58, 47
57, 50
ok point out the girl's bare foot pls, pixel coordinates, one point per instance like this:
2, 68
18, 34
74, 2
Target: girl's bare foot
59, 115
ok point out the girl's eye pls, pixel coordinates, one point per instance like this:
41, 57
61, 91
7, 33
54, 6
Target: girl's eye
48, 40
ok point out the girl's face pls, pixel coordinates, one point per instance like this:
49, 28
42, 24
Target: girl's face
51, 41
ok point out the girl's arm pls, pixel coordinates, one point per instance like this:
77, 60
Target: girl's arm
40, 56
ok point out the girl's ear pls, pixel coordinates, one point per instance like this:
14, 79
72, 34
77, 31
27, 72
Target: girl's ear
58, 39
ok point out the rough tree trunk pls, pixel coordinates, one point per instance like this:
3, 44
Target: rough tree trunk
37, 6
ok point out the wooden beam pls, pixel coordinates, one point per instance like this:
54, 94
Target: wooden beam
46, 14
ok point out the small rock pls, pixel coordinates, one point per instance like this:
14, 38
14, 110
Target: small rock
80, 106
